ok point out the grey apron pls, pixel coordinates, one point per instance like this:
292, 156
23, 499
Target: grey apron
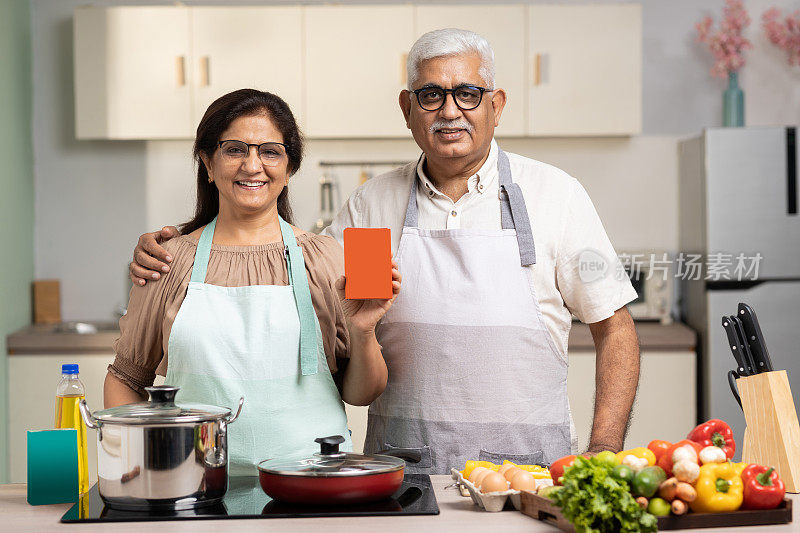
473, 371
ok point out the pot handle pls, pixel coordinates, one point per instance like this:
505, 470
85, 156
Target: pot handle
410, 455
239, 410
90, 421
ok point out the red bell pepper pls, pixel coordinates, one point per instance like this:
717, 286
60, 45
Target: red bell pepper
714, 433
763, 489
665, 461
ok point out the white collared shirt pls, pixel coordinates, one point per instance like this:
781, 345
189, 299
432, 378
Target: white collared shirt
567, 232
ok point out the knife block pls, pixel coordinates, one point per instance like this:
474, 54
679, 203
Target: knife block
772, 436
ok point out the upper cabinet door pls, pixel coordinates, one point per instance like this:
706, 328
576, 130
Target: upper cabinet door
504, 28
355, 69
132, 75
586, 66
247, 47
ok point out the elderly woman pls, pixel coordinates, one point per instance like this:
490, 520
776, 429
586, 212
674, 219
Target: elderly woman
252, 306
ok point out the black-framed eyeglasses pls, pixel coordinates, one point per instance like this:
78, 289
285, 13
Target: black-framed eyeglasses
271, 153
466, 97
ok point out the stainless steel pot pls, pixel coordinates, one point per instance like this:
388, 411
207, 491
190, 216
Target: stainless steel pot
157, 454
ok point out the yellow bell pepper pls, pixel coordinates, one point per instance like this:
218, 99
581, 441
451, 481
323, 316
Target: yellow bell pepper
539, 472
738, 467
719, 489
472, 465
640, 453
490, 465
468, 468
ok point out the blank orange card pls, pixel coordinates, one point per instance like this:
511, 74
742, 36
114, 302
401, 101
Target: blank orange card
368, 263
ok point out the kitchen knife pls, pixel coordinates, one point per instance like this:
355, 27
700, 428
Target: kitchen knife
755, 339
733, 344
743, 346
732, 375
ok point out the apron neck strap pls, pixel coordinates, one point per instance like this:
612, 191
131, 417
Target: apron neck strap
203, 252
513, 213
412, 211
296, 267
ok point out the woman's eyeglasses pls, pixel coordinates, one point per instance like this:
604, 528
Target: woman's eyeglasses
271, 153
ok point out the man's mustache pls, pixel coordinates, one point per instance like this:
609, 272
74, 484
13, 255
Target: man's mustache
458, 124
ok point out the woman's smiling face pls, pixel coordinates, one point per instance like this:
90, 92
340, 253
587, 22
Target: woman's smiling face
246, 183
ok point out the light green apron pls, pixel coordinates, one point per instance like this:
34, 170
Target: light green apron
262, 342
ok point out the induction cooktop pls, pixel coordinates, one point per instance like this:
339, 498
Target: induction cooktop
245, 499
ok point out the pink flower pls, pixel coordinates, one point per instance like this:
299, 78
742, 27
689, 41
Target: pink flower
727, 44
785, 35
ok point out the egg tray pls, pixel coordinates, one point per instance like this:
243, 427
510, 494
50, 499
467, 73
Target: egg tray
492, 501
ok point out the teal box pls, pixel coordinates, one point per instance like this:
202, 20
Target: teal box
52, 466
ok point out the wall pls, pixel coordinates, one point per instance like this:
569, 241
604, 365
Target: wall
16, 182
630, 180
89, 195
93, 199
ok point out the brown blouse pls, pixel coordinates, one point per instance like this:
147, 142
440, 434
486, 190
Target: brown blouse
141, 349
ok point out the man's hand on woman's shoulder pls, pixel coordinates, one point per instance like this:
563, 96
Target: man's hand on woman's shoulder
149, 258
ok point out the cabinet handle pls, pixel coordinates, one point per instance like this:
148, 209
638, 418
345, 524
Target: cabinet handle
181, 64
205, 67
540, 74
403, 70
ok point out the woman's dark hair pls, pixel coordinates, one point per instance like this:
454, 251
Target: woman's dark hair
218, 117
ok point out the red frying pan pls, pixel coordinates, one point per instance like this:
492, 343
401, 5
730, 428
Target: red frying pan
331, 477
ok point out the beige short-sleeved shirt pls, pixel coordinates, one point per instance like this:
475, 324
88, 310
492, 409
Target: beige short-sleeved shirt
565, 224
141, 348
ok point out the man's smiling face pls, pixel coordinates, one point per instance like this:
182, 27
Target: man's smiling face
451, 132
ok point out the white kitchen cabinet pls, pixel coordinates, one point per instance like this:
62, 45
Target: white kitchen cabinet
505, 31
666, 402
586, 70
247, 47
357, 416
132, 73
355, 69
145, 72
32, 382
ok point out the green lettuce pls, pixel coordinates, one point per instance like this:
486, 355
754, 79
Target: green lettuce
595, 502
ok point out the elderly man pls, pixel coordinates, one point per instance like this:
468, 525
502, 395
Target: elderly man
490, 246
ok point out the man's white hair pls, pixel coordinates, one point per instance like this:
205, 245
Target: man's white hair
450, 42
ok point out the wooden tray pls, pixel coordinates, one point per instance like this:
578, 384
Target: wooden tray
543, 509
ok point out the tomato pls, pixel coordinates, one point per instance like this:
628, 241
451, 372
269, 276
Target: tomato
659, 448
557, 468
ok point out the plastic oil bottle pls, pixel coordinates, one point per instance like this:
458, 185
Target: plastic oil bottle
69, 393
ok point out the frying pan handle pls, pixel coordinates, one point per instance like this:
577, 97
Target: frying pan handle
410, 455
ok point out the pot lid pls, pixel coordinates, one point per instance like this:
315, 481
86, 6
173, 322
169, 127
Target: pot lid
330, 462
161, 409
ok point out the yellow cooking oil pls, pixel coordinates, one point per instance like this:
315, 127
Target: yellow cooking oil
69, 393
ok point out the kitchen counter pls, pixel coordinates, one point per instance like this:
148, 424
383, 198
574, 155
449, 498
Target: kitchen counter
47, 339
652, 336
57, 339
458, 514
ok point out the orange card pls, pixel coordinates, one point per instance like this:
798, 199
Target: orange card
368, 263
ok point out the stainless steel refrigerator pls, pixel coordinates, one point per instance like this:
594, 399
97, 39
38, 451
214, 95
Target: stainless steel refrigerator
739, 197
